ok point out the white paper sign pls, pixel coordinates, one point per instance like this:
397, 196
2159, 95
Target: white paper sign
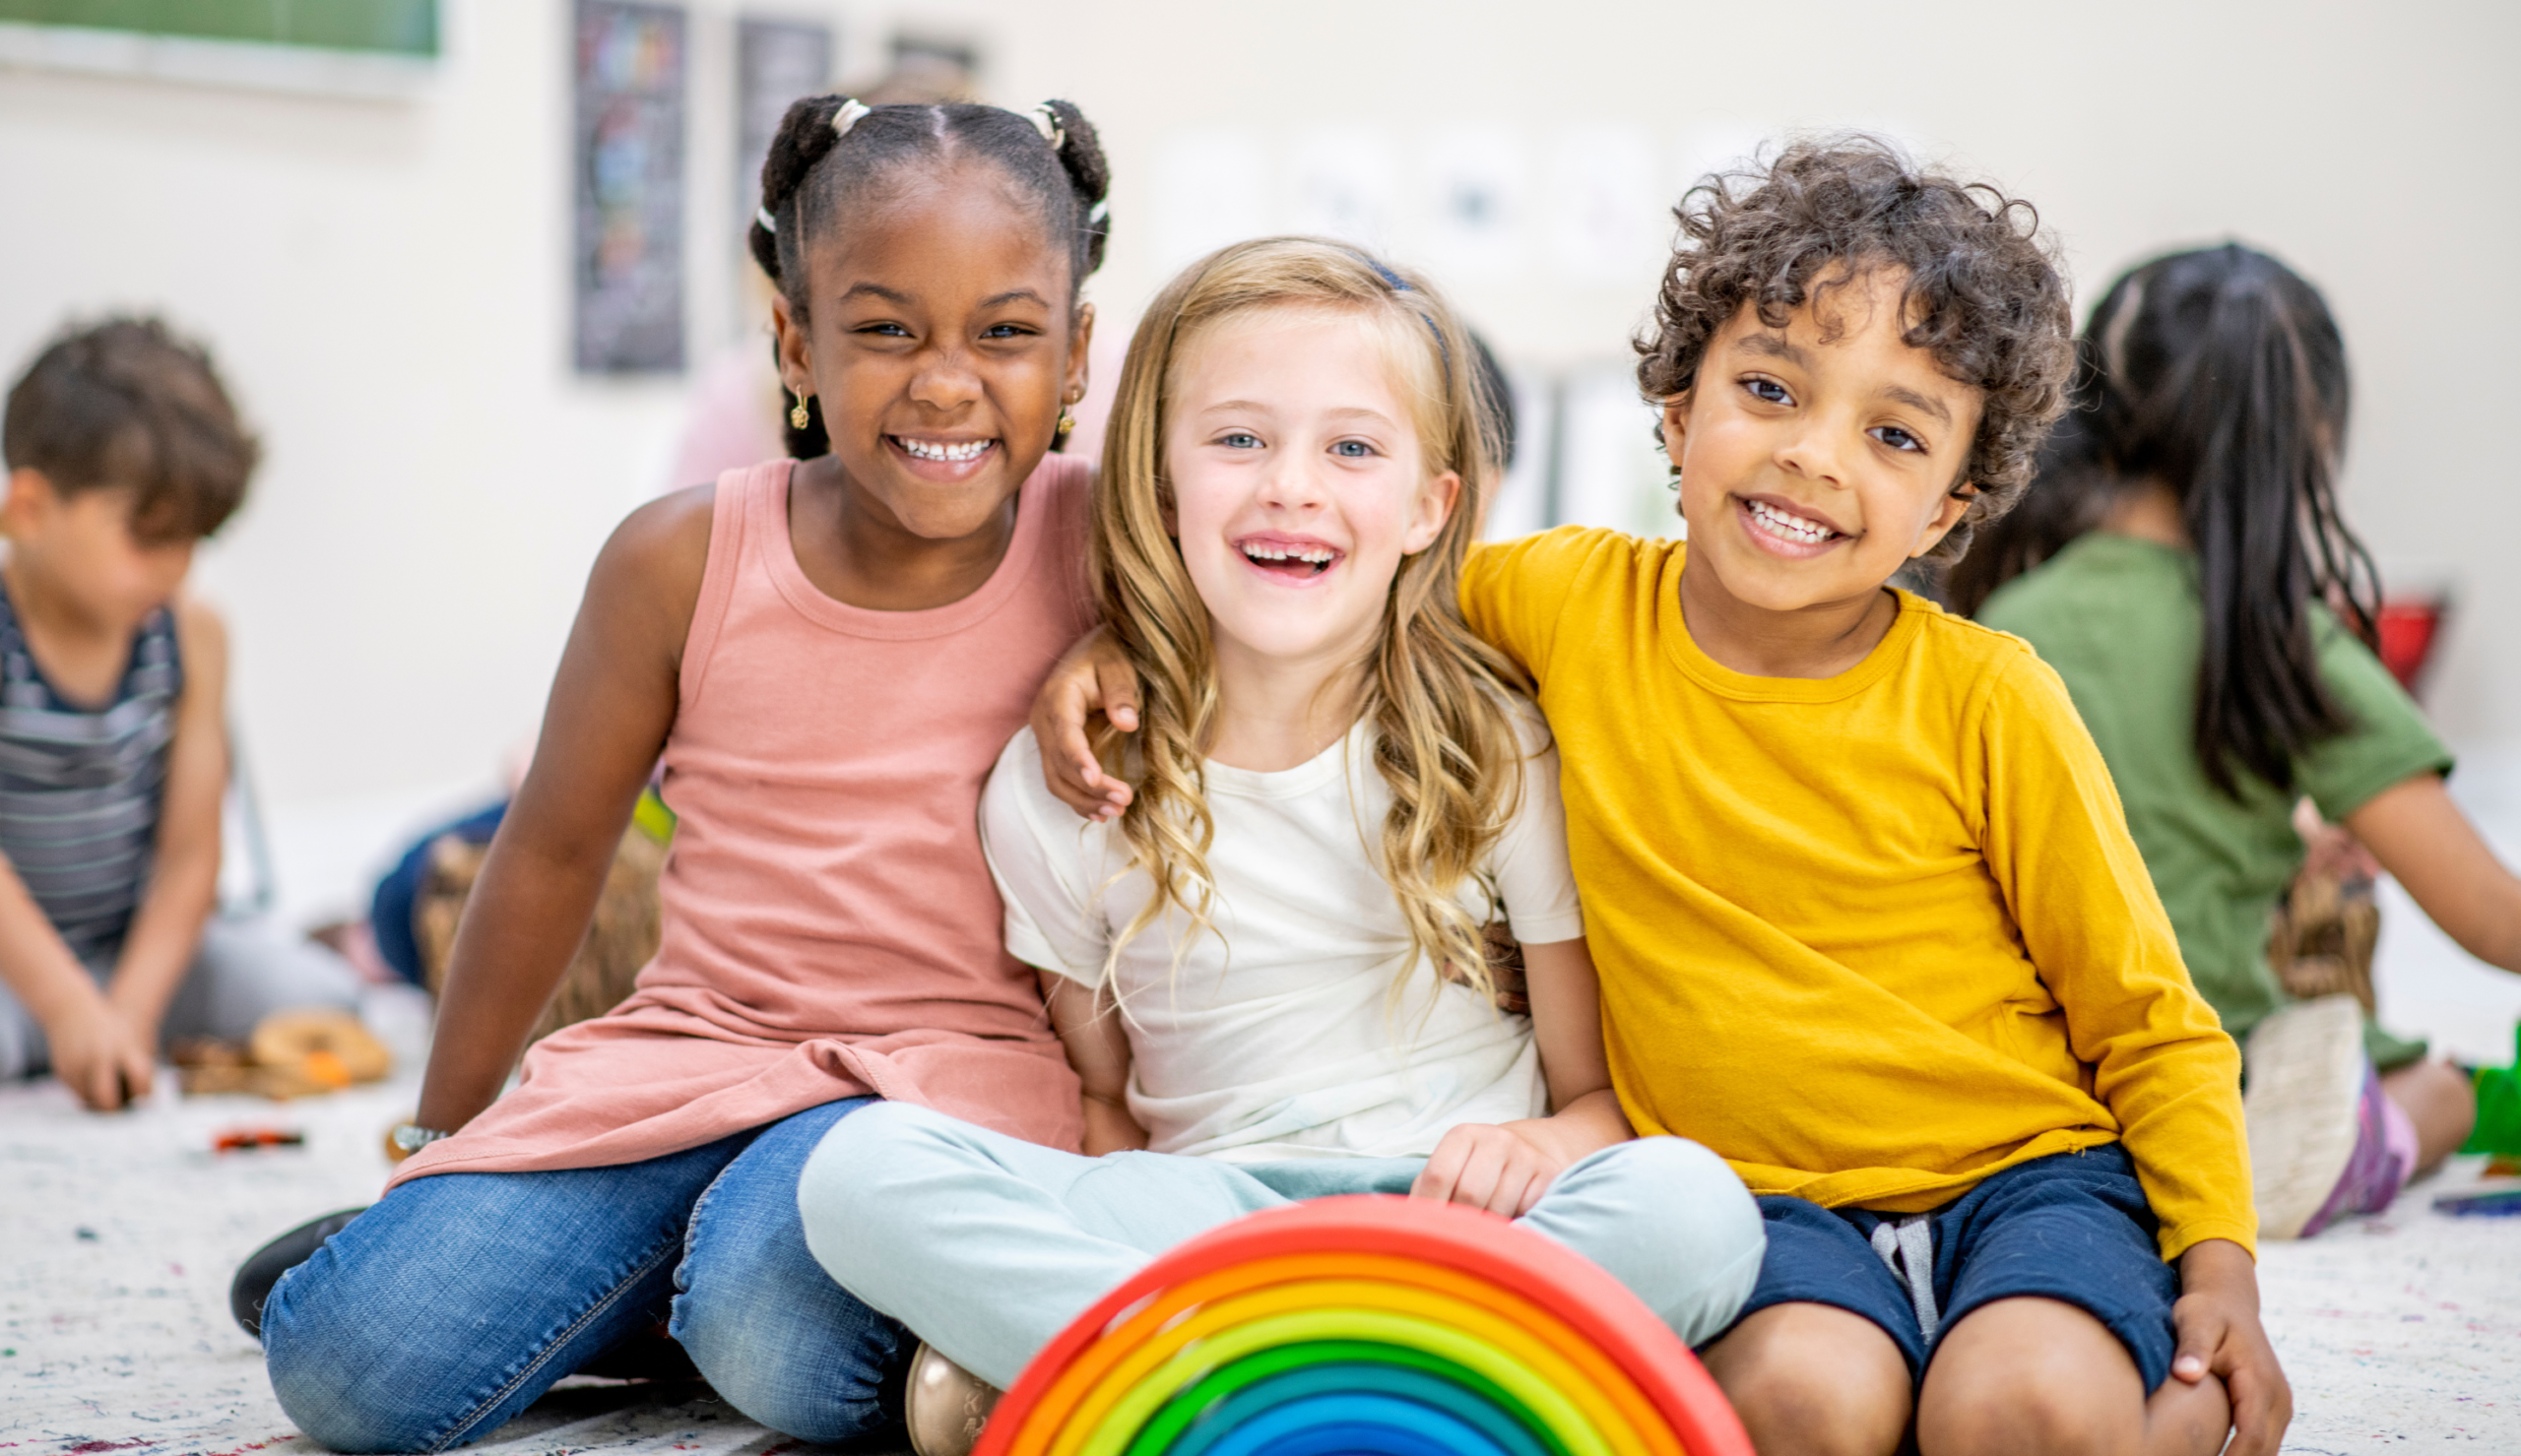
1211, 188
1474, 188
1607, 221
1340, 183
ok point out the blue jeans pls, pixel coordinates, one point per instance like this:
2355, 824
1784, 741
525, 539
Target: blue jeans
444, 1310
988, 1245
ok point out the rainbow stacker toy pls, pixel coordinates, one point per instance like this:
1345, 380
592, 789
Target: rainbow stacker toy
1366, 1326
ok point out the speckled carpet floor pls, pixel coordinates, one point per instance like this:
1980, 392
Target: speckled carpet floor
118, 1235
118, 1238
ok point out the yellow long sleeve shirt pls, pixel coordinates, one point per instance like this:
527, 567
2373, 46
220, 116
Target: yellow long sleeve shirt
1873, 937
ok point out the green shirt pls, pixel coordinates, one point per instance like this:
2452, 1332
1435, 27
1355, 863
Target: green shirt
2121, 620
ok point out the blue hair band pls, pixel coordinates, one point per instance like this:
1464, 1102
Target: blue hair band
1399, 284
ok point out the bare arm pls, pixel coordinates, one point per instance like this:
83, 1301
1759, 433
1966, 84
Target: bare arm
613, 702
183, 883
1098, 1047
1506, 1168
104, 1040
96, 1050
2422, 837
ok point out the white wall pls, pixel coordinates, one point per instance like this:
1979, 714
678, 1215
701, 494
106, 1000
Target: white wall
385, 282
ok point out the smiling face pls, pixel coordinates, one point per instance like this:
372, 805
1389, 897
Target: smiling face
942, 343
1813, 467
1297, 483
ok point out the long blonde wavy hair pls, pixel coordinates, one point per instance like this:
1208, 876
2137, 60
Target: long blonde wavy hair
1438, 698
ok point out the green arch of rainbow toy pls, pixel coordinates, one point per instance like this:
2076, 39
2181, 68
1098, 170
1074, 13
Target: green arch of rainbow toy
1394, 1326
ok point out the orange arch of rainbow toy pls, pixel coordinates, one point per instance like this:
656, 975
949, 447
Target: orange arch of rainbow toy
1364, 1324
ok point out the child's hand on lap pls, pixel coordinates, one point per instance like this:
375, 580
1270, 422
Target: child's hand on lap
1491, 1165
2219, 1334
1505, 1167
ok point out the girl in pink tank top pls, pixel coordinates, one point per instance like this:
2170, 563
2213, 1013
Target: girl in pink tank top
826, 656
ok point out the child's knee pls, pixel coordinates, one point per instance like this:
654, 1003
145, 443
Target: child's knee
821, 1384
850, 1194
2031, 1374
1813, 1378
336, 1370
1693, 1259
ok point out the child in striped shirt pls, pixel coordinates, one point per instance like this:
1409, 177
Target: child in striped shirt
123, 453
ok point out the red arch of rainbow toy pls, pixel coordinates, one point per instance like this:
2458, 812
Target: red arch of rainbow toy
1492, 1327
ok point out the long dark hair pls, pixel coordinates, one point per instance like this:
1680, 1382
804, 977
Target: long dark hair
2221, 373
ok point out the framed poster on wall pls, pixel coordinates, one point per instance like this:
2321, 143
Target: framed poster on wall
777, 61
626, 247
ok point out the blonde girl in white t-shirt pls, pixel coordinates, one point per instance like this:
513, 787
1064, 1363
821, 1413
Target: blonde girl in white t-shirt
1270, 968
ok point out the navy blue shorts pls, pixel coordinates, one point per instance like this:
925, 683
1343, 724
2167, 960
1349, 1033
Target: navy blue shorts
2072, 1227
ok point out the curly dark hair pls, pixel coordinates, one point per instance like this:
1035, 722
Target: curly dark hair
128, 403
1983, 287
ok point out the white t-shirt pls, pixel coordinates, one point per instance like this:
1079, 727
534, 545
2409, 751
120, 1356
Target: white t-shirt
1279, 1034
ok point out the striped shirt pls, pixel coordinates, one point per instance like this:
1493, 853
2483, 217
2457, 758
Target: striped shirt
81, 789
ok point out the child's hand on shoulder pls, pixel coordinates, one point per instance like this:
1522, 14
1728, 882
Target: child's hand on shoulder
1093, 676
2216, 1319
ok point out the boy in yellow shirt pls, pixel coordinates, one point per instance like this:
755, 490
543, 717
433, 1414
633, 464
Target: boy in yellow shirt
1866, 913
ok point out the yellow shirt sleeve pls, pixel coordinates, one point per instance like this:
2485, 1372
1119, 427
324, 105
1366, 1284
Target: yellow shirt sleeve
2056, 842
1514, 592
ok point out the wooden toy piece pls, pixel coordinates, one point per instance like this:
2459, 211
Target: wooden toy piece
1370, 1324
331, 1048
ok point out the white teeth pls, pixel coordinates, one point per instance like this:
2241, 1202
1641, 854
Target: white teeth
1793, 528
1310, 555
933, 450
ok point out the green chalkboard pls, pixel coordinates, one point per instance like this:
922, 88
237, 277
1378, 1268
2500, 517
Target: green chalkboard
403, 28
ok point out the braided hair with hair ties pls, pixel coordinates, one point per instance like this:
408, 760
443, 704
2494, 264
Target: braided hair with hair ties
833, 152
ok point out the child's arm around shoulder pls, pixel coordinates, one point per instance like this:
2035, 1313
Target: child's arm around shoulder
1514, 591
1512, 595
613, 702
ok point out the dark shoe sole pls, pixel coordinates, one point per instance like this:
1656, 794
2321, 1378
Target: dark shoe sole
256, 1276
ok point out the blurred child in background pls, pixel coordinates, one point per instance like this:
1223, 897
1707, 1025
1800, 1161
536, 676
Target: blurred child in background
124, 452
2184, 567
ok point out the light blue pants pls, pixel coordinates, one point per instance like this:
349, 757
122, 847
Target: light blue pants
987, 1247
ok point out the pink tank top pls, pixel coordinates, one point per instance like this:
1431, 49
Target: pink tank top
830, 927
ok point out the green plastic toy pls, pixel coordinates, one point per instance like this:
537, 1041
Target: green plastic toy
2499, 1130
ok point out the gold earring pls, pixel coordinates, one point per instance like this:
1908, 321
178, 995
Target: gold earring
798, 418
1068, 421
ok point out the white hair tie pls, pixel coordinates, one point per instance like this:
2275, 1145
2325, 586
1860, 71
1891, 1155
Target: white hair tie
1047, 122
848, 115
1098, 212
769, 224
